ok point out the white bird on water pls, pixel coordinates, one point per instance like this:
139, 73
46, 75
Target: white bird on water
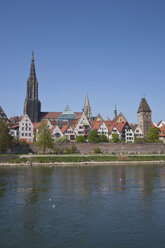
53, 206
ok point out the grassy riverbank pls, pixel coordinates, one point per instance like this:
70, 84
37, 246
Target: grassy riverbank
92, 158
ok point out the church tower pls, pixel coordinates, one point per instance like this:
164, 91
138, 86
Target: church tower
115, 111
144, 116
32, 106
87, 108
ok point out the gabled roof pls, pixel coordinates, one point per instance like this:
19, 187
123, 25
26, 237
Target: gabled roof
96, 124
143, 107
3, 116
120, 126
154, 125
14, 119
53, 128
159, 123
111, 126
116, 119
63, 129
133, 126
99, 118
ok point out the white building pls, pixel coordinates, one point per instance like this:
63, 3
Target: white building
56, 132
82, 126
26, 129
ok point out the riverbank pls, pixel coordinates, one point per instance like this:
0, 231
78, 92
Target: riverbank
45, 160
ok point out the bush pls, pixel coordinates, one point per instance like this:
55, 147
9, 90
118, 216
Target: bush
153, 135
115, 138
97, 150
103, 138
93, 137
62, 140
80, 139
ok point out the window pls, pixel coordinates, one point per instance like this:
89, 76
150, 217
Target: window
29, 134
29, 128
25, 134
22, 128
22, 134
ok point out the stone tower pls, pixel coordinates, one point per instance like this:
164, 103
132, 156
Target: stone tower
144, 116
32, 106
87, 108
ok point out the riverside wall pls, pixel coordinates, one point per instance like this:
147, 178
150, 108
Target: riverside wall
112, 148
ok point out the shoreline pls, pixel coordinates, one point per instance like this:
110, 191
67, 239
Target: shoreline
71, 164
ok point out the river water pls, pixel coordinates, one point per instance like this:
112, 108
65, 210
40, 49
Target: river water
79, 207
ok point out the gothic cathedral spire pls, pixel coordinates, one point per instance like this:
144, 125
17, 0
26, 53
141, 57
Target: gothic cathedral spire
32, 105
87, 108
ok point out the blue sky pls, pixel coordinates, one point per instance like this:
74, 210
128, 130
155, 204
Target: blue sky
114, 50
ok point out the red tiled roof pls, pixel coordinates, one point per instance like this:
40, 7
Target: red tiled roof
153, 125
36, 125
162, 129
53, 128
56, 115
51, 115
96, 124
107, 123
14, 119
162, 135
63, 129
120, 126
110, 127
78, 114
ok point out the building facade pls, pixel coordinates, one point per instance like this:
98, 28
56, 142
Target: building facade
26, 129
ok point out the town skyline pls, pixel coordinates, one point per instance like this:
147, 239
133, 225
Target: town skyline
114, 52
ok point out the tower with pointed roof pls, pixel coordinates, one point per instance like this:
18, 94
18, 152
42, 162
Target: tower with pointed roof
115, 111
87, 108
32, 106
144, 115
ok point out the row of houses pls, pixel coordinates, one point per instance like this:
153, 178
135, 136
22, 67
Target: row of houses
22, 128
72, 124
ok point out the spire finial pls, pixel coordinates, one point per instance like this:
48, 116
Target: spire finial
32, 55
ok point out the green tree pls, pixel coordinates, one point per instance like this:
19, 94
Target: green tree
93, 137
5, 137
103, 138
44, 136
115, 138
80, 139
63, 139
153, 135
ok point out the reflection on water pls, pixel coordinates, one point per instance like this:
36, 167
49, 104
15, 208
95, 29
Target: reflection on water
100, 206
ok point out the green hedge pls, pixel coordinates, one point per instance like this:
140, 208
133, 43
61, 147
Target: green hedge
88, 159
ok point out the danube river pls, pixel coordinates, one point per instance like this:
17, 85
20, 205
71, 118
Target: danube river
79, 207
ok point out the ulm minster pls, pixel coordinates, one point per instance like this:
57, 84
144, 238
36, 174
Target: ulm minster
71, 124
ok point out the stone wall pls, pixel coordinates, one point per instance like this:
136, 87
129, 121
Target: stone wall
109, 148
